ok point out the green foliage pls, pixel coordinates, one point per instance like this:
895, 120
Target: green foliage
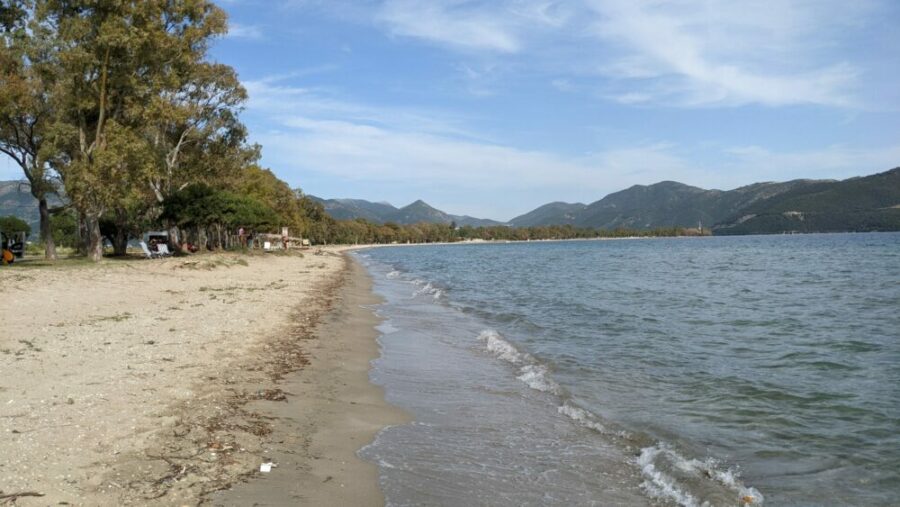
11, 224
64, 227
200, 205
263, 186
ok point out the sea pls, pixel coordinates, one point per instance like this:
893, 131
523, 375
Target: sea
754, 370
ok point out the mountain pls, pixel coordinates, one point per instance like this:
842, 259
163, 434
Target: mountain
379, 213
673, 204
420, 211
556, 213
663, 204
16, 200
348, 209
868, 203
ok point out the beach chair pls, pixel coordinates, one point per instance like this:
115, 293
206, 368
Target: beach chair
147, 252
163, 249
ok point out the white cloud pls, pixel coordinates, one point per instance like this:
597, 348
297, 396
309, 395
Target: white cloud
686, 53
275, 101
496, 26
450, 23
239, 31
718, 52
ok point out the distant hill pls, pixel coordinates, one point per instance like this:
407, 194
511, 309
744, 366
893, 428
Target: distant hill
664, 204
417, 212
857, 204
348, 209
555, 213
868, 203
16, 200
672, 204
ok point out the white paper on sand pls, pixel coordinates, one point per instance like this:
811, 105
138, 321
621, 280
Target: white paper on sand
267, 467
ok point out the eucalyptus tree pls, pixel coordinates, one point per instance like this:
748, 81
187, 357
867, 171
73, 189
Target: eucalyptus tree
27, 78
192, 122
137, 96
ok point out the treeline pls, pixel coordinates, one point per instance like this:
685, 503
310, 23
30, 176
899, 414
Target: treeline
115, 106
359, 231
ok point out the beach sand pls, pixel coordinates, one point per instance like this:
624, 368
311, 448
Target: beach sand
161, 382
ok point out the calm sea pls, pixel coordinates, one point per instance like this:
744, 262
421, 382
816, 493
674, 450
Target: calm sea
692, 371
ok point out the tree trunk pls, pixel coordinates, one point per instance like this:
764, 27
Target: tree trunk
83, 235
120, 241
95, 239
46, 231
174, 239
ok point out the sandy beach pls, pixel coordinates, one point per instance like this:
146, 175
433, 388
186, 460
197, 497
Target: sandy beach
168, 381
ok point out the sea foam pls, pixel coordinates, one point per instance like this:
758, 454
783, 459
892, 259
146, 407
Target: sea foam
534, 374
659, 465
427, 288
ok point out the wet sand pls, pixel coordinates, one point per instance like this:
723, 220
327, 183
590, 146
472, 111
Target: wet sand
333, 410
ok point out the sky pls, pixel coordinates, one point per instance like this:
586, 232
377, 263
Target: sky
492, 108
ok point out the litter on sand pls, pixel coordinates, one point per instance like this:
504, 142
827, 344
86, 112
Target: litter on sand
267, 467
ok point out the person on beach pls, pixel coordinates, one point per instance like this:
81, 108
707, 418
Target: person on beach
242, 237
8, 257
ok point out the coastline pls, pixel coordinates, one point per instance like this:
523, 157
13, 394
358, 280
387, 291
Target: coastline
334, 410
162, 382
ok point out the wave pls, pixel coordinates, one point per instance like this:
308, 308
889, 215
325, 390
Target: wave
668, 476
428, 288
534, 374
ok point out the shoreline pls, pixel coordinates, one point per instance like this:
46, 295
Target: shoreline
160, 382
333, 412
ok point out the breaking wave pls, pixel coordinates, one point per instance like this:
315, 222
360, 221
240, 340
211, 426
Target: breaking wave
667, 475
534, 374
427, 289
670, 476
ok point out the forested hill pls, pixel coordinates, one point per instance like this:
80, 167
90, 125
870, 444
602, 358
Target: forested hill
555, 213
858, 204
664, 204
869, 203
381, 213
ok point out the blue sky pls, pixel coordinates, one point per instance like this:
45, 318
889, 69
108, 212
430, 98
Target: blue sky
491, 108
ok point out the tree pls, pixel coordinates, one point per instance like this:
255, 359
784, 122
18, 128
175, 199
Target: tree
262, 185
26, 109
134, 94
203, 208
10, 225
192, 122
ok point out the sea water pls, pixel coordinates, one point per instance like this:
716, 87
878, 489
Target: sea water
685, 371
